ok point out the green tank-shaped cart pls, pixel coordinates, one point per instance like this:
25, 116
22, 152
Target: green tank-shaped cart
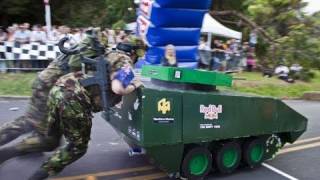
187, 127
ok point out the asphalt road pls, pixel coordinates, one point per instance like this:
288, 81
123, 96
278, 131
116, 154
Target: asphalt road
108, 158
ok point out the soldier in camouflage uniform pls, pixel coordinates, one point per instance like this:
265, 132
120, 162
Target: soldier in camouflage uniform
35, 118
49, 132
70, 112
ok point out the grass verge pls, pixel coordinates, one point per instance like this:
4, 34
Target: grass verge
19, 84
256, 84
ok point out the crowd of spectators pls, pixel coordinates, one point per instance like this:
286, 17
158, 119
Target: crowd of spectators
25, 33
229, 55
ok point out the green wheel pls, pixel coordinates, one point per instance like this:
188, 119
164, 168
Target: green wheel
227, 157
254, 152
197, 163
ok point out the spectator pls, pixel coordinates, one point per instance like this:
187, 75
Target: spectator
296, 68
22, 35
218, 55
78, 35
3, 37
253, 39
235, 53
251, 62
10, 36
205, 61
3, 34
37, 35
111, 38
283, 73
170, 58
245, 52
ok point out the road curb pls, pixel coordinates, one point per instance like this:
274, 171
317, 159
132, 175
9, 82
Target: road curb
14, 97
311, 96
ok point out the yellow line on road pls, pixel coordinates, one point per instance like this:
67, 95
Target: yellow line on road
303, 141
147, 177
299, 148
107, 173
288, 149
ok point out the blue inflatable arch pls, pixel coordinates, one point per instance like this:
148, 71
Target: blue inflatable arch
177, 22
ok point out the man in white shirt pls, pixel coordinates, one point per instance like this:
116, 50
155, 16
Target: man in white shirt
37, 35
22, 35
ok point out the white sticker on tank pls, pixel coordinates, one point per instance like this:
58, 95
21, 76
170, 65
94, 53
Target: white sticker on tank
129, 116
211, 112
136, 104
209, 126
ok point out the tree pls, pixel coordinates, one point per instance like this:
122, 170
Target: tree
285, 31
75, 13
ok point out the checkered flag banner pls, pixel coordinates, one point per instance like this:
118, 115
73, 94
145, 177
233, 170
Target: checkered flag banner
32, 51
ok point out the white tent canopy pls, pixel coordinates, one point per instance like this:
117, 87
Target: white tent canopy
210, 25
213, 27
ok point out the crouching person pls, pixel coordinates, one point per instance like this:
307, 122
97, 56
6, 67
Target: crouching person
70, 112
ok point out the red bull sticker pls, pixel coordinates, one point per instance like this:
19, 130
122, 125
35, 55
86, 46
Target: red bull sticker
211, 112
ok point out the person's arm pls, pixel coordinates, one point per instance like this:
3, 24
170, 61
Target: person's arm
118, 88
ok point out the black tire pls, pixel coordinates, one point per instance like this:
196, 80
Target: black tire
189, 157
251, 158
224, 164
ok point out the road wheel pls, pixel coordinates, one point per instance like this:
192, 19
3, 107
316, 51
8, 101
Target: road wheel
197, 163
227, 157
254, 152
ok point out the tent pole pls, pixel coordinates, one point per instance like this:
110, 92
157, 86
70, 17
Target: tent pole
209, 41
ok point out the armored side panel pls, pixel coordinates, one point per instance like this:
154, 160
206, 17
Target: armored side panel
218, 116
164, 120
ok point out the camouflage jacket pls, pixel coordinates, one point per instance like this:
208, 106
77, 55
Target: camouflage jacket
68, 100
117, 60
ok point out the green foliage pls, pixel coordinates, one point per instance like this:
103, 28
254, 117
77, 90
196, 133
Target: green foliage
75, 13
290, 28
119, 25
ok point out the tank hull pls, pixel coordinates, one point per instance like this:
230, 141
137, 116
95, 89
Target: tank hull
166, 121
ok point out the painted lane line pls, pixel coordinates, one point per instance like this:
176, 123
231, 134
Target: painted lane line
279, 172
107, 173
147, 177
303, 141
91, 178
298, 148
287, 149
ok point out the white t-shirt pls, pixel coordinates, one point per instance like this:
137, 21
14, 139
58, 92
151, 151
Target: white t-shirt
282, 71
38, 36
204, 47
22, 35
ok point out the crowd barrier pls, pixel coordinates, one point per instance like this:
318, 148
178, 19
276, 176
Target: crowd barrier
33, 56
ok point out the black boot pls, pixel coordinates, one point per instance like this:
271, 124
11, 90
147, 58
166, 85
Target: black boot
8, 153
39, 175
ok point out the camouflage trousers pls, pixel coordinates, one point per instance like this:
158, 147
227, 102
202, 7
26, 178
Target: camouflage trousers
35, 118
14, 129
76, 146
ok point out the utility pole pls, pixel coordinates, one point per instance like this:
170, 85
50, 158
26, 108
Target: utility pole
48, 18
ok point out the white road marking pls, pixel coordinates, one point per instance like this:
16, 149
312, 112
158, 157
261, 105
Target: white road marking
279, 172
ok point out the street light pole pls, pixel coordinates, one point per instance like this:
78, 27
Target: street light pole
48, 17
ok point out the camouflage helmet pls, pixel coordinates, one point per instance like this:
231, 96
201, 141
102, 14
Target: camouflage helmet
117, 60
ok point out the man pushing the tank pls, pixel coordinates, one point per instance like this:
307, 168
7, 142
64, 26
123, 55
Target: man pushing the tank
69, 110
